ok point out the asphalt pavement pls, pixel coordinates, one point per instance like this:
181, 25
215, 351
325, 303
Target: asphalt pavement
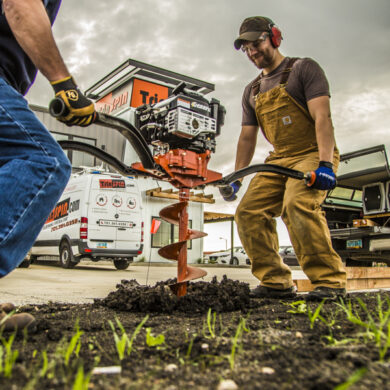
44, 282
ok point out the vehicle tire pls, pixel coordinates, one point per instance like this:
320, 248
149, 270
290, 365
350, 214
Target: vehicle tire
33, 258
234, 261
25, 263
121, 264
67, 259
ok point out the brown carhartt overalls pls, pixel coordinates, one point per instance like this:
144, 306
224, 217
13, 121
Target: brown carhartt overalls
291, 130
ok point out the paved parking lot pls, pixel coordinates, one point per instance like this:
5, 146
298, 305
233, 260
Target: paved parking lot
45, 282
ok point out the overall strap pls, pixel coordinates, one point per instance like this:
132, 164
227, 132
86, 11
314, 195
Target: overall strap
287, 71
256, 85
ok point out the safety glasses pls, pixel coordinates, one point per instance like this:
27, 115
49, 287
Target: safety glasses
252, 46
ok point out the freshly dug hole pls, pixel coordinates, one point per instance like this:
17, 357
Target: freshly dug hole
225, 296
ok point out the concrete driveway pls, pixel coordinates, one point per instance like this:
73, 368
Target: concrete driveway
44, 282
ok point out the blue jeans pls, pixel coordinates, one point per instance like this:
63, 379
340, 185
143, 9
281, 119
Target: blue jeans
33, 174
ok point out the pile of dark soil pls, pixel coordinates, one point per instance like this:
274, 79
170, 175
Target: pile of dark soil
225, 296
156, 341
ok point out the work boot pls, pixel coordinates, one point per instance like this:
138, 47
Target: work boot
18, 322
321, 292
273, 293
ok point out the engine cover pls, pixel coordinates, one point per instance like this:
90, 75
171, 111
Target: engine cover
185, 120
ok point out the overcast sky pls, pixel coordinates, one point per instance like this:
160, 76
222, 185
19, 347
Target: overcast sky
349, 38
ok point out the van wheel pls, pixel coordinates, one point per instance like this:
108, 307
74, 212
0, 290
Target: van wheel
33, 258
121, 264
25, 263
67, 259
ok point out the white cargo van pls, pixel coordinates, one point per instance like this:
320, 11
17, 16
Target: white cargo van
97, 217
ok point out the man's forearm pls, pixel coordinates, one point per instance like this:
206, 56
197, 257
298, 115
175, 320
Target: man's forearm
246, 147
325, 138
245, 151
31, 27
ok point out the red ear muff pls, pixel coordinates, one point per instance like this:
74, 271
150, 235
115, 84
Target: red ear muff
276, 36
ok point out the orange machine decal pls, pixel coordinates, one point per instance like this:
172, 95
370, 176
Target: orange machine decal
145, 92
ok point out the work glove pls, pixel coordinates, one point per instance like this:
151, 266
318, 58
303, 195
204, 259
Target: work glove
78, 110
323, 178
229, 191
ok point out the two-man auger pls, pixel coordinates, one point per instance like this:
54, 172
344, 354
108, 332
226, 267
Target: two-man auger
181, 130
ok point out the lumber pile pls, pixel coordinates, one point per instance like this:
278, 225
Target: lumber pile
358, 278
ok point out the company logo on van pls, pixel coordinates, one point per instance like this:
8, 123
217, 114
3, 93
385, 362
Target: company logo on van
63, 209
112, 183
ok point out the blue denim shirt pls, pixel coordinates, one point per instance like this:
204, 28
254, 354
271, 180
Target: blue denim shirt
15, 66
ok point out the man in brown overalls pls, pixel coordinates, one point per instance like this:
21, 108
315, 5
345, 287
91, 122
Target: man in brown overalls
289, 101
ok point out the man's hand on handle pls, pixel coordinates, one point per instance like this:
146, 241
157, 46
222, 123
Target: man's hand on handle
323, 178
79, 111
229, 192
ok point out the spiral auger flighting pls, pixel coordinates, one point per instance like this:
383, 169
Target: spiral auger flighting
177, 214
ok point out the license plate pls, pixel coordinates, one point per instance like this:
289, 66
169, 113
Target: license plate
125, 224
354, 244
101, 245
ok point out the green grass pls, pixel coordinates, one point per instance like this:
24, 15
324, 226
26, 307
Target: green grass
376, 325
8, 356
124, 343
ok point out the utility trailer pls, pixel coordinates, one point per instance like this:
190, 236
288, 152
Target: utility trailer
358, 209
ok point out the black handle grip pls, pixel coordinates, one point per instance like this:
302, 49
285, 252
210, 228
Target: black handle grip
57, 108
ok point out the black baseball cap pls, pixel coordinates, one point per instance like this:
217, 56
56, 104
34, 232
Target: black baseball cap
252, 28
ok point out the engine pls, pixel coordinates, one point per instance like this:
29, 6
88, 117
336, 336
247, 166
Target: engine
185, 120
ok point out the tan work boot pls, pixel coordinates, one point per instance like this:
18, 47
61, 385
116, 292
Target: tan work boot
18, 322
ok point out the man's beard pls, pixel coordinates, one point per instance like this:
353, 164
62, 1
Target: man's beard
265, 61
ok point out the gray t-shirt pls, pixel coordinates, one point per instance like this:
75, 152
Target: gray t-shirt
307, 80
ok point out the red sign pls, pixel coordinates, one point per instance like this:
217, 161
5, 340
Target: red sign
155, 225
109, 183
145, 92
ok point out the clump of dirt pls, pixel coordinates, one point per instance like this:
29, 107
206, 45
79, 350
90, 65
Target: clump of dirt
224, 296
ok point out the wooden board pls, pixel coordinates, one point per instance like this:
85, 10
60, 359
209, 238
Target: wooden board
358, 278
169, 194
367, 272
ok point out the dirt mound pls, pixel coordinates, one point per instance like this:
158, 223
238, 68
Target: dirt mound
225, 296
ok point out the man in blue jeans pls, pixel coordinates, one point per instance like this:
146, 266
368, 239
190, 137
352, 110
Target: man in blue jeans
33, 168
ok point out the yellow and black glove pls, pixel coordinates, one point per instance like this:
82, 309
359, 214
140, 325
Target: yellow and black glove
78, 110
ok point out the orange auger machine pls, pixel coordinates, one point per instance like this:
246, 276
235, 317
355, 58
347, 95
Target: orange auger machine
181, 131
